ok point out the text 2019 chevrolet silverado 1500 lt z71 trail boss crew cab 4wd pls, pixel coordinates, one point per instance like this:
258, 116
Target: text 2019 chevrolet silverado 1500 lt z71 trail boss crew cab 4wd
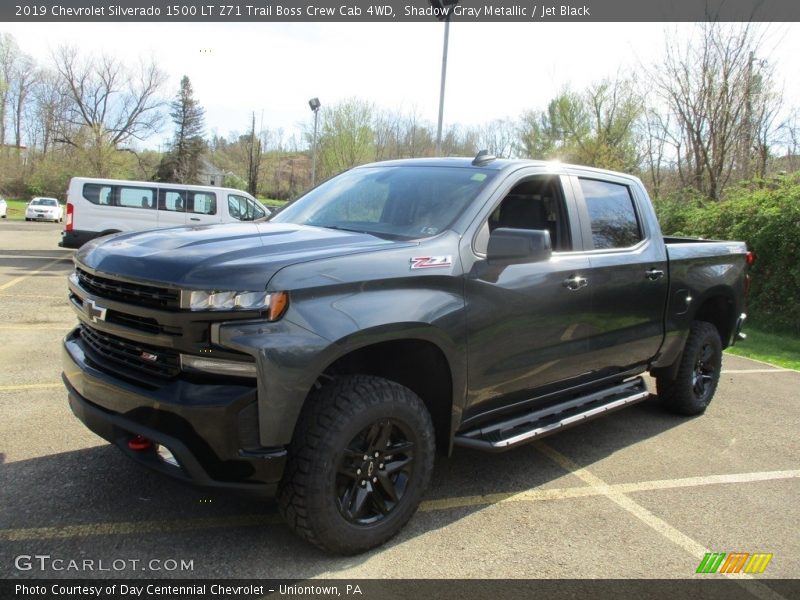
396, 309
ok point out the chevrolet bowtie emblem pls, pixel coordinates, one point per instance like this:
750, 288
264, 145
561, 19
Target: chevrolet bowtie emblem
93, 311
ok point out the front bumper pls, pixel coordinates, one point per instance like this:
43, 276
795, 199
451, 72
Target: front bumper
76, 238
210, 428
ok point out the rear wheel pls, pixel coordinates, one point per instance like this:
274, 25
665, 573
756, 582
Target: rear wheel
698, 373
361, 458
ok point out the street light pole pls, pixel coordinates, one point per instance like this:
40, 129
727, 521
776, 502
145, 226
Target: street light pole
314, 103
441, 88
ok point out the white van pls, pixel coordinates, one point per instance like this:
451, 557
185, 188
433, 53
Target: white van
98, 207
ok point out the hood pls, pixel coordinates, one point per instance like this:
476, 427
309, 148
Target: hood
237, 256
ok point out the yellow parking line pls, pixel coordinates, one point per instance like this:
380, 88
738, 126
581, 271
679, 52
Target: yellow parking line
139, 527
29, 386
21, 278
36, 327
741, 371
37, 296
656, 523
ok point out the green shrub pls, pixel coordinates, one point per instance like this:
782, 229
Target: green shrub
765, 215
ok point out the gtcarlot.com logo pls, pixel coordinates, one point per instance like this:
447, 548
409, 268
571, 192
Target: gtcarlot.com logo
46, 562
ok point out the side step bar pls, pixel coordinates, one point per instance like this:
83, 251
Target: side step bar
503, 435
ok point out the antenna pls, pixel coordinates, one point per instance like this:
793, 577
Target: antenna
483, 158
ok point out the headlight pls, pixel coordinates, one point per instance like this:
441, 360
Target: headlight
275, 303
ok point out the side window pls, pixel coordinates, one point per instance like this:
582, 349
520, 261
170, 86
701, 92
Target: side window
137, 197
203, 203
172, 200
97, 193
258, 210
535, 203
612, 214
243, 209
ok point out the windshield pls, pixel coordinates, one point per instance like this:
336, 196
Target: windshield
44, 202
396, 202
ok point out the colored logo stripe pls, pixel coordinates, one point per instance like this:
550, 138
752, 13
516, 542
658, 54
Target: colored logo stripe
734, 563
711, 562
757, 563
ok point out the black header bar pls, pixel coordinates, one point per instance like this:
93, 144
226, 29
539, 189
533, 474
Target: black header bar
374, 11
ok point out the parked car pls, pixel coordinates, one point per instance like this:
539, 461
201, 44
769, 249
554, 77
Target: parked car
44, 209
399, 309
98, 207
3, 208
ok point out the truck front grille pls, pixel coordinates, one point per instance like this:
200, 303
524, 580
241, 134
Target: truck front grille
126, 358
133, 293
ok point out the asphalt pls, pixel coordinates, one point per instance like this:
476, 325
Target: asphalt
639, 494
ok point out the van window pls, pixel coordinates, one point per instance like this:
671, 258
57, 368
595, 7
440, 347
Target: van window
244, 209
97, 193
172, 200
132, 197
202, 203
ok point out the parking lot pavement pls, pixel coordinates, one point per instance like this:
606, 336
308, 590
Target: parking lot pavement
641, 493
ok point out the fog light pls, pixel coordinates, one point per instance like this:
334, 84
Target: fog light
139, 443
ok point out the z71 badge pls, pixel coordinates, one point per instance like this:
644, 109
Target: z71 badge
430, 262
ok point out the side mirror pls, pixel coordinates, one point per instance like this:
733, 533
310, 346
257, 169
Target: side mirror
508, 246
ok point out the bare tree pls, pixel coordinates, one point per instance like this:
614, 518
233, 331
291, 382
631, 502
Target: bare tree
25, 77
108, 105
723, 105
254, 154
9, 52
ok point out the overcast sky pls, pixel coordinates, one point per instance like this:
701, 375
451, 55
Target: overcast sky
495, 70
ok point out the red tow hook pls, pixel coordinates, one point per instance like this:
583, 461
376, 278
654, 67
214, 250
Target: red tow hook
140, 443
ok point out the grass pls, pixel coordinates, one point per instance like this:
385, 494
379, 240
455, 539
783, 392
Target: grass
16, 209
775, 348
272, 202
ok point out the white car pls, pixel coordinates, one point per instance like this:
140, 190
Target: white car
3, 208
44, 209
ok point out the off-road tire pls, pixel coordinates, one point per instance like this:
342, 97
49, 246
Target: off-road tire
359, 441
698, 373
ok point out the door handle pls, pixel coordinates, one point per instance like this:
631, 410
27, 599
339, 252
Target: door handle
654, 274
575, 282
194, 219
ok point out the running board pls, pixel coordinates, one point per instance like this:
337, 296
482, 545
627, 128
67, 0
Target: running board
503, 435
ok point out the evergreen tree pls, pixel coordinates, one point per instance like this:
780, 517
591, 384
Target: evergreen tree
182, 163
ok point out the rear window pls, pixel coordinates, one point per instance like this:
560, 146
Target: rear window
612, 214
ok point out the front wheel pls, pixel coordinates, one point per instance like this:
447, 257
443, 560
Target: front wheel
360, 460
698, 373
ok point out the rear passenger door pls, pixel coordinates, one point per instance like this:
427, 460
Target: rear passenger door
171, 207
202, 208
628, 277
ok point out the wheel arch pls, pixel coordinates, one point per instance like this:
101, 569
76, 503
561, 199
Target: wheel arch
416, 363
718, 307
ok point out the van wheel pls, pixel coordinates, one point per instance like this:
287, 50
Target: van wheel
698, 373
360, 460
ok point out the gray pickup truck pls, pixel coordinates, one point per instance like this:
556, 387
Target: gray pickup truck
397, 310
